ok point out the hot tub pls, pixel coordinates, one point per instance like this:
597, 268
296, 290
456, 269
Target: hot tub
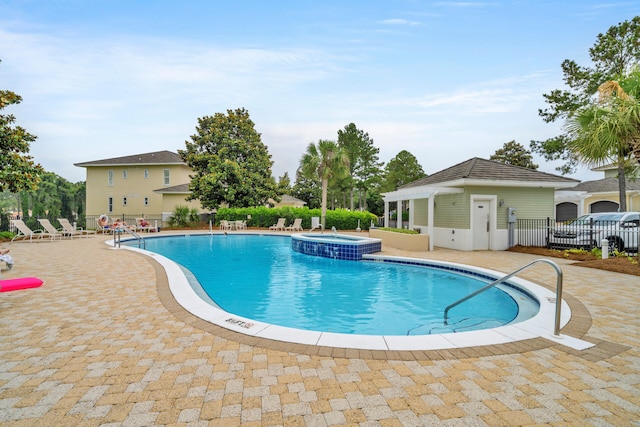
338, 246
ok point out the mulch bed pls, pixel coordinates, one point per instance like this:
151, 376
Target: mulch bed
615, 264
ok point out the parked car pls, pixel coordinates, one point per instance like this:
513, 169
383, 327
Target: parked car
621, 229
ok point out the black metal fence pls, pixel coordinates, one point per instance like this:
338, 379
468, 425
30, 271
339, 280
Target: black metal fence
534, 232
578, 234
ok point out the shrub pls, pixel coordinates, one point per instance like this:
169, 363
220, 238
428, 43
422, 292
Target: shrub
264, 217
6, 236
183, 217
597, 252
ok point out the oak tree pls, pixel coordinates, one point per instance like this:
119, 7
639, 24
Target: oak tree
232, 166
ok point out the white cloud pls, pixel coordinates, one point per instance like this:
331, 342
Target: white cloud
399, 21
464, 4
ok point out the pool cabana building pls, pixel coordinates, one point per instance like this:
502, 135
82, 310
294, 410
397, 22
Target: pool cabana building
471, 205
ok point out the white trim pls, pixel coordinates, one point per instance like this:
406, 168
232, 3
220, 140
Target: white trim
418, 193
507, 183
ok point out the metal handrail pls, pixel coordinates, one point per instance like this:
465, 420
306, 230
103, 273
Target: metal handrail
117, 232
556, 328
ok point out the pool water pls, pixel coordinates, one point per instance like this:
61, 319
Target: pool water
261, 278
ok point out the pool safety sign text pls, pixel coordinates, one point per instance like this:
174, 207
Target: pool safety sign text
239, 322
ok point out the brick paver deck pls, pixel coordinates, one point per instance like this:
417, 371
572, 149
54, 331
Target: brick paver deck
103, 343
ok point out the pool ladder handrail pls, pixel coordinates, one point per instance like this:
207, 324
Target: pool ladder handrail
556, 328
118, 233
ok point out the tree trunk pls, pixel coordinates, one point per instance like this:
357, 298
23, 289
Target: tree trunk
622, 186
351, 198
323, 217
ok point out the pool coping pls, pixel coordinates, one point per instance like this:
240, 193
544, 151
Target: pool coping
178, 297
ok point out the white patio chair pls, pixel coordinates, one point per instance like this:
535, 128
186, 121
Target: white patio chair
296, 226
25, 232
72, 231
279, 226
50, 229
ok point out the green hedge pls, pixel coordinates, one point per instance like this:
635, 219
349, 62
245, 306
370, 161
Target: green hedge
263, 217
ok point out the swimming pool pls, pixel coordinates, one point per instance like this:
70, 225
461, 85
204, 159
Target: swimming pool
194, 301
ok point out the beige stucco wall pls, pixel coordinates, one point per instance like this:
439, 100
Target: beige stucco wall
633, 201
292, 204
407, 242
135, 187
170, 201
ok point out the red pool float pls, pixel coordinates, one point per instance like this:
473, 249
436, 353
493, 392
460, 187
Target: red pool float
20, 283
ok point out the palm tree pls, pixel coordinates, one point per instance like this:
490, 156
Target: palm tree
324, 161
610, 129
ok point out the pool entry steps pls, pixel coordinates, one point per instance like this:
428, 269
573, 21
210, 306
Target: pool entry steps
337, 246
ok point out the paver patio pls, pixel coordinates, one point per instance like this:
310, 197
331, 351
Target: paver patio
103, 343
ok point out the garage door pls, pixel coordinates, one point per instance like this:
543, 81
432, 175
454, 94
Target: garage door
566, 211
604, 206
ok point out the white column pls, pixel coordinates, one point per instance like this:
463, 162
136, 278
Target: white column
411, 213
432, 205
386, 213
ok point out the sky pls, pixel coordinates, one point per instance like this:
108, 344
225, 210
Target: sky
444, 80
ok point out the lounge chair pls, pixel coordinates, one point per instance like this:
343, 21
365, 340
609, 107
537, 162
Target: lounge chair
50, 229
25, 232
140, 227
70, 230
296, 226
103, 228
279, 226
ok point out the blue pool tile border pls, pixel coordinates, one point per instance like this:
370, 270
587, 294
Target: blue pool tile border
351, 249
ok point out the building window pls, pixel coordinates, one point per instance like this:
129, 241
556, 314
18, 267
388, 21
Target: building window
110, 178
146, 173
124, 201
125, 174
110, 205
166, 177
146, 201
